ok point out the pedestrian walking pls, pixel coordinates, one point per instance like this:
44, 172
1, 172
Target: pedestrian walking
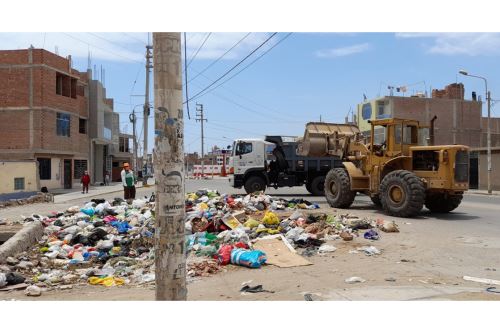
106, 179
85, 181
128, 182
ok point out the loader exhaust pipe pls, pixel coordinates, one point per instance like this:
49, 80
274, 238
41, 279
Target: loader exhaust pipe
431, 134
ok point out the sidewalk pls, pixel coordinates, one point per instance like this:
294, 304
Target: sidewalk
95, 191
482, 192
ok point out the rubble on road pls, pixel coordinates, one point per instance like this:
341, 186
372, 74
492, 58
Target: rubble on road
111, 243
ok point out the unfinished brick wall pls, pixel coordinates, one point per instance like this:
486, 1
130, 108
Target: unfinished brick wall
458, 121
15, 72
451, 91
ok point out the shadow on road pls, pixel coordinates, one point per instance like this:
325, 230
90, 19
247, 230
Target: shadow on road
453, 216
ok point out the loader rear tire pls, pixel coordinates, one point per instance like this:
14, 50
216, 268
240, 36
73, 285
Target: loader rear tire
402, 193
338, 189
442, 203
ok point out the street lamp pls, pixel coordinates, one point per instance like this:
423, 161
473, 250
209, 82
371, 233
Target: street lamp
488, 97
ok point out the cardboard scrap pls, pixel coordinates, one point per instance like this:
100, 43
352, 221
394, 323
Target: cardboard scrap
231, 222
15, 286
279, 253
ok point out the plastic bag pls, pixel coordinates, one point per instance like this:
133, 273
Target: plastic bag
270, 218
121, 226
108, 281
371, 234
88, 210
252, 259
224, 254
251, 223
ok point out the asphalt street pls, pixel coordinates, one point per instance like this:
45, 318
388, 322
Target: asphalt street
427, 259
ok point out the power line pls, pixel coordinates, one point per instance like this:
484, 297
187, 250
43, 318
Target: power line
222, 56
243, 106
107, 40
250, 64
232, 68
100, 48
137, 39
199, 48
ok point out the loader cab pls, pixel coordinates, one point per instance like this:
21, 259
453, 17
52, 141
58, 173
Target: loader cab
393, 137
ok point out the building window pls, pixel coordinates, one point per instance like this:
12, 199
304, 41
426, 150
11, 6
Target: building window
381, 108
66, 86
82, 125
59, 83
44, 170
73, 88
366, 111
124, 145
79, 168
63, 126
116, 165
18, 183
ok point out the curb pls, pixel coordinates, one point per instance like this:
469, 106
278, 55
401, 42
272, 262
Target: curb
21, 241
482, 193
91, 195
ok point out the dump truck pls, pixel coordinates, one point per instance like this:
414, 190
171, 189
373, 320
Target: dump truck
394, 166
273, 162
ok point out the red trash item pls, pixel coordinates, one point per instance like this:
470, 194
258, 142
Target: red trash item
241, 245
224, 254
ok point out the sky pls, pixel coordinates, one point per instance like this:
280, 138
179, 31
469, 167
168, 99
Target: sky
298, 78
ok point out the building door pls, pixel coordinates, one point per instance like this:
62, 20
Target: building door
474, 171
67, 174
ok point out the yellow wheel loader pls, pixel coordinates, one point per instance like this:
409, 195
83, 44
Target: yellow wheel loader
393, 166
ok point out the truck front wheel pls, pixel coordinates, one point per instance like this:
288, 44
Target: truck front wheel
338, 188
255, 184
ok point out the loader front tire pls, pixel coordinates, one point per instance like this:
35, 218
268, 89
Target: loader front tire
442, 203
402, 193
338, 189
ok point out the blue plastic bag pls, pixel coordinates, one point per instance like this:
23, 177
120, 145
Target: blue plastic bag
89, 211
252, 259
121, 226
371, 234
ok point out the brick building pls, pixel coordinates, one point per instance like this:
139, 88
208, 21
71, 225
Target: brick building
44, 114
459, 121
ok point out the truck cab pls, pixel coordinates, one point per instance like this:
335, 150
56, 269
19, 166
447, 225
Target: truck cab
250, 159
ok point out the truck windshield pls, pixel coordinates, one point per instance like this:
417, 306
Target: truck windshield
243, 148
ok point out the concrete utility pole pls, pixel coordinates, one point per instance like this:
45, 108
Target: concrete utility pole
146, 114
133, 119
170, 251
489, 143
200, 118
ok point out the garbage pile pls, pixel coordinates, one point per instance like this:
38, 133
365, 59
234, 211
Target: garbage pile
111, 244
100, 243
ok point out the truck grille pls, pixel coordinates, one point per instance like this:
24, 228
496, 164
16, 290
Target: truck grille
462, 167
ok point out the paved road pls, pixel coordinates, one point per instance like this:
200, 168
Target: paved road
427, 259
